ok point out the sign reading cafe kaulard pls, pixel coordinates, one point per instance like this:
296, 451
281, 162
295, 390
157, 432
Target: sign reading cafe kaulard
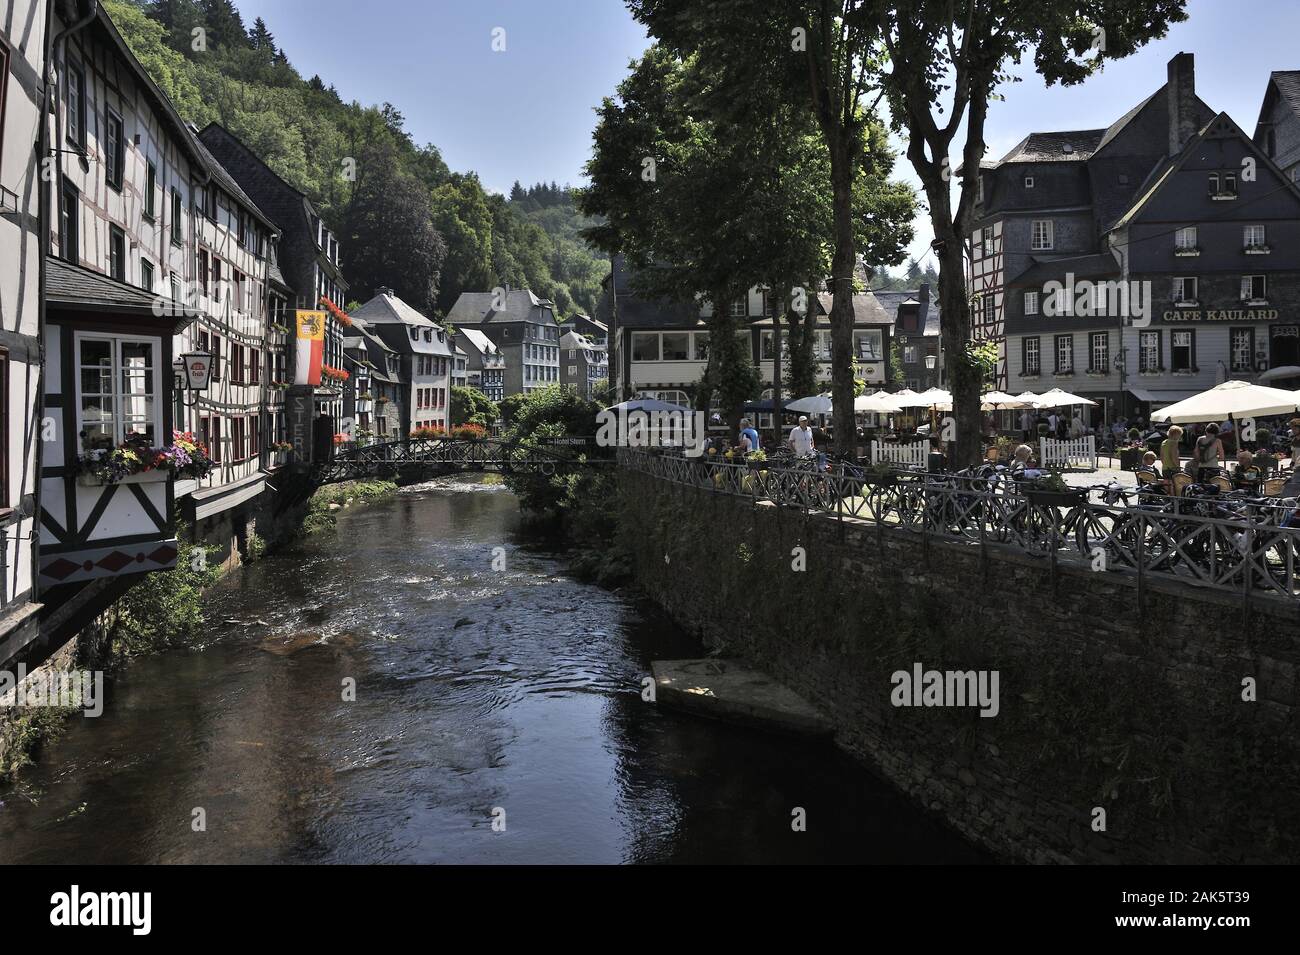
1221, 315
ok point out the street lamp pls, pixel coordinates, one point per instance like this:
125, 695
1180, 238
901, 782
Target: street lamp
192, 372
930, 362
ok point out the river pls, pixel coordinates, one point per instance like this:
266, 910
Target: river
481, 694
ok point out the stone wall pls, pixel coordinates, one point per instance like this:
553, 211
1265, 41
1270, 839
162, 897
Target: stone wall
1109, 699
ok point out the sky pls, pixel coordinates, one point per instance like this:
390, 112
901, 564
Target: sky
525, 113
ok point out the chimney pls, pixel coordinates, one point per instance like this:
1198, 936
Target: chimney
383, 290
1181, 90
923, 295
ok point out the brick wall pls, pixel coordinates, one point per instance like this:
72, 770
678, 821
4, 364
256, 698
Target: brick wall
1106, 700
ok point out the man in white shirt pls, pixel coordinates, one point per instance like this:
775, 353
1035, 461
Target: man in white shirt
801, 438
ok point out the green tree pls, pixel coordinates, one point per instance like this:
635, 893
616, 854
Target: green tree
471, 406
389, 238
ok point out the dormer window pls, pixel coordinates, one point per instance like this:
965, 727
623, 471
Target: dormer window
1067, 149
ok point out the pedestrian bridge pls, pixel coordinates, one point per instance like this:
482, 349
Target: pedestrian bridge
416, 458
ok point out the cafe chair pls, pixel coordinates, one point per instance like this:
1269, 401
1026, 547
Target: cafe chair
1222, 482
1272, 487
1181, 480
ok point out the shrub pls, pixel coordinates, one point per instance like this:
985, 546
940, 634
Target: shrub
429, 432
472, 432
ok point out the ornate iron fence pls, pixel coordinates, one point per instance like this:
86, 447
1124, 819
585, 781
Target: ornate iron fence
447, 455
1249, 551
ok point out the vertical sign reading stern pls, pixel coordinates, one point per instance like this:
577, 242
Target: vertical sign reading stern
311, 348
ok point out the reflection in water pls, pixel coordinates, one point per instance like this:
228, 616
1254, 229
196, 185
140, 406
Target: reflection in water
477, 691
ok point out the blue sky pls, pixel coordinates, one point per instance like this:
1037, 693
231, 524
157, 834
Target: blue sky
526, 113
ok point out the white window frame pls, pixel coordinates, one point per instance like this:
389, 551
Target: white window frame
874, 338
1254, 229
1031, 303
1190, 346
1248, 288
658, 346
1148, 354
1185, 238
1064, 347
1047, 240
1099, 351
1033, 348
116, 341
1181, 286
1029, 182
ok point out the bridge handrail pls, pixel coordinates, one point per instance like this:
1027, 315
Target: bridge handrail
1252, 557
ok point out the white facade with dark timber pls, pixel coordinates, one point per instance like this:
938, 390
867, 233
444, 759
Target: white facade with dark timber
121, 229
22, 92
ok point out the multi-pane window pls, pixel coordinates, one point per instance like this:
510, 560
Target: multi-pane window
739, 309
76, 98
1149, 352
117, 253
146, 275
990, 309
238, 448
203, 270
1031, 303
1182, 351
645, 347
1099, 351
1041, 235
1185, 238
868, 344
1064, 354
1253, 236
1032, 356
114, 150
1253, 288
1185, 288
117, 384
987, 239
676, 346
909, 354
1242, 348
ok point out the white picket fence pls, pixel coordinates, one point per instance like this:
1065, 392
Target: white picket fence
914, 455
1077, 453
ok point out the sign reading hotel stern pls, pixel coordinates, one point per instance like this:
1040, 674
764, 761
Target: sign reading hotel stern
1222, 315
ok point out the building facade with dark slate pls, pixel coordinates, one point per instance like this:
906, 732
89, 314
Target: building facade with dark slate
919, 347
524, 329
1138, 264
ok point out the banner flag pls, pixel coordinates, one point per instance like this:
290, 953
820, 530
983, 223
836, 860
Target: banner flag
311, 348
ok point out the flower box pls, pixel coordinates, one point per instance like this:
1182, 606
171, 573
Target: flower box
1130, 458
1187, 253
1258, 250
156, 476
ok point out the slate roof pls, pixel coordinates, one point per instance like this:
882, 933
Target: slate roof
67, 284
1043, 270
521, 305
388, 308
72, 287
1050, 147
485, 345
928, 310
1288, 85
225, 180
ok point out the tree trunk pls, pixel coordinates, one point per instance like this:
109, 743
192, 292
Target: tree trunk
842, 267
777, 313
964, 377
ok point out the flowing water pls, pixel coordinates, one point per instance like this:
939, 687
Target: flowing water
497, 718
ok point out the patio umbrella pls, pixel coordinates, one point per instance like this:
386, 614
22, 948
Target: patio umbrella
1232, 399
1030, 399
817, 404
1282, 371
648, 404
879, 403
994, 400
1056, 398
934, 398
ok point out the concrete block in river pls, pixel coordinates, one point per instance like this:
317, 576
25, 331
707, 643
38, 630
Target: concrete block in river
729, 690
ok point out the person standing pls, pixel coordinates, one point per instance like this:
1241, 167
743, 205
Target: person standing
748, 435
1170, 461
1207, 454
801, 438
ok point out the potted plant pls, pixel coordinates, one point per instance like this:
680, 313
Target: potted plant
1130, 455
1050, 490
756, 459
